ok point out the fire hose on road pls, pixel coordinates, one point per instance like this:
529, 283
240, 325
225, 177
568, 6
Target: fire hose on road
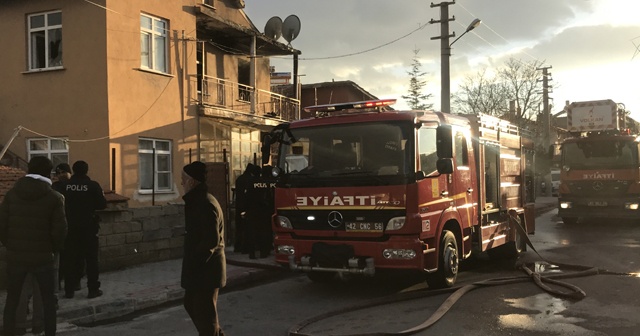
549, 283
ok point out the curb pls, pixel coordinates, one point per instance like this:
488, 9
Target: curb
544, 209
150, 298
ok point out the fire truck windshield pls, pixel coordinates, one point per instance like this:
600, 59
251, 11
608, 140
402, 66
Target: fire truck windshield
342, 152
600, 154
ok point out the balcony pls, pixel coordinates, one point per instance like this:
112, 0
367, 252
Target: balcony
222, 98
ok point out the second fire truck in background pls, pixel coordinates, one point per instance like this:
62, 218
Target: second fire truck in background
600, 174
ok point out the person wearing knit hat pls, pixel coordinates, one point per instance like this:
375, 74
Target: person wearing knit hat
196, 170
204, 263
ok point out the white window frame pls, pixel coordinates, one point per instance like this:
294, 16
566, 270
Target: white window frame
152, 36
156, 173
48, 151
47, 29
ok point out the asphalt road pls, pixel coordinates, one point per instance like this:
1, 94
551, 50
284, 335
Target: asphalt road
610, 307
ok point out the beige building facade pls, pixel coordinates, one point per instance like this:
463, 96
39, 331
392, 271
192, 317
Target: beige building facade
137, 88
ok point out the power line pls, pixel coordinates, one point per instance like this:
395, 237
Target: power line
107, 136
420, 27
496, 33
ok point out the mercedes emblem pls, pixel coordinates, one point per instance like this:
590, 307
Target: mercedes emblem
334, 219
597, 185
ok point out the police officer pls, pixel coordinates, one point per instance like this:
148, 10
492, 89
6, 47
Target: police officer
83, 197
258, 224
242, 182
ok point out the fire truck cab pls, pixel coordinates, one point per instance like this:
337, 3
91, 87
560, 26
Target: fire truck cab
361, 190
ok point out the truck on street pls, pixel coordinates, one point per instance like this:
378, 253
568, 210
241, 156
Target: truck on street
380, 189
600, 175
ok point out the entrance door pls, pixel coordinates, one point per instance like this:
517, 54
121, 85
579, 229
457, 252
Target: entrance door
464, 181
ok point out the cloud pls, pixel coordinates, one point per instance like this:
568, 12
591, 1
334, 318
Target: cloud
578, 38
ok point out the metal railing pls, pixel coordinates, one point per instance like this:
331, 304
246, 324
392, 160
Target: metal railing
235, 96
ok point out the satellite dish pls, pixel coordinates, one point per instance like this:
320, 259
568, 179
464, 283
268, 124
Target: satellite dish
291, 28
273, 28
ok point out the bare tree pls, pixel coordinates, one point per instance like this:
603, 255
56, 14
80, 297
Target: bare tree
521, 80
516, 81
481, 93
415, 98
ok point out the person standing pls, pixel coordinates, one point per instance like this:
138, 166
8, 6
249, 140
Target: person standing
241, 205
63, 174
259, 194
204, 263
33, 227
83, 197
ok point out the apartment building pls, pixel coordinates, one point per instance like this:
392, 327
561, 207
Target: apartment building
137, 88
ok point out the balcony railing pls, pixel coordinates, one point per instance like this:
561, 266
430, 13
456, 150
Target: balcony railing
233, 96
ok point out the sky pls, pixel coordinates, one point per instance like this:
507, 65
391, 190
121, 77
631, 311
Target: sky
592, 46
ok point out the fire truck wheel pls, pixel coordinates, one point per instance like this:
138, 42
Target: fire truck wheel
448, 261
570, 220
320, 277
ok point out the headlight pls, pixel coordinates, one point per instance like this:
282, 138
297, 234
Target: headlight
284, 222
631, 206
565, 205
395, 223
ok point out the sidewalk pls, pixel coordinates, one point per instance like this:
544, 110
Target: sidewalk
150, 285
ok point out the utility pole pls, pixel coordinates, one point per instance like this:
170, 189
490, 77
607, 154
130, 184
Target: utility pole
546, 113
546, 123
445, 49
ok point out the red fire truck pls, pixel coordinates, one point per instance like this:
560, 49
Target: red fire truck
599, 176
361, 190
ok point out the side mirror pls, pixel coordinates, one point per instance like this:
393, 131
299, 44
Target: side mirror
445, 166
444, 141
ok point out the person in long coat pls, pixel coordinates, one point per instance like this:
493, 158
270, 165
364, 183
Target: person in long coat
33, 228
204, 263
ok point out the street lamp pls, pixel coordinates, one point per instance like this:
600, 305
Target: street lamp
445, 99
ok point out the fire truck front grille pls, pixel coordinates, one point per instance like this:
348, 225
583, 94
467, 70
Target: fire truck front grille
598, 188
340, 220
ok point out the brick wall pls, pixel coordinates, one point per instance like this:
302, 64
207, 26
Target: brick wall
140, 235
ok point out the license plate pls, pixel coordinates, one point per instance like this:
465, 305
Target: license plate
597, 204
363, 227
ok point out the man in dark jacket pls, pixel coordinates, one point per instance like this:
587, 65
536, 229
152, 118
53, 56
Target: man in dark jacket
203, 264
33, 229
63, 174
83, 197
241, 205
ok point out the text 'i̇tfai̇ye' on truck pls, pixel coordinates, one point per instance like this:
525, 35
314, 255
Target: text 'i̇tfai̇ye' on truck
599, 175
362, 187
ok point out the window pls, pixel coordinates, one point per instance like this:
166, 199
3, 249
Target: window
427, 150
55, 149
155, 164
208, 2
153, 43
462, 154
45, 40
